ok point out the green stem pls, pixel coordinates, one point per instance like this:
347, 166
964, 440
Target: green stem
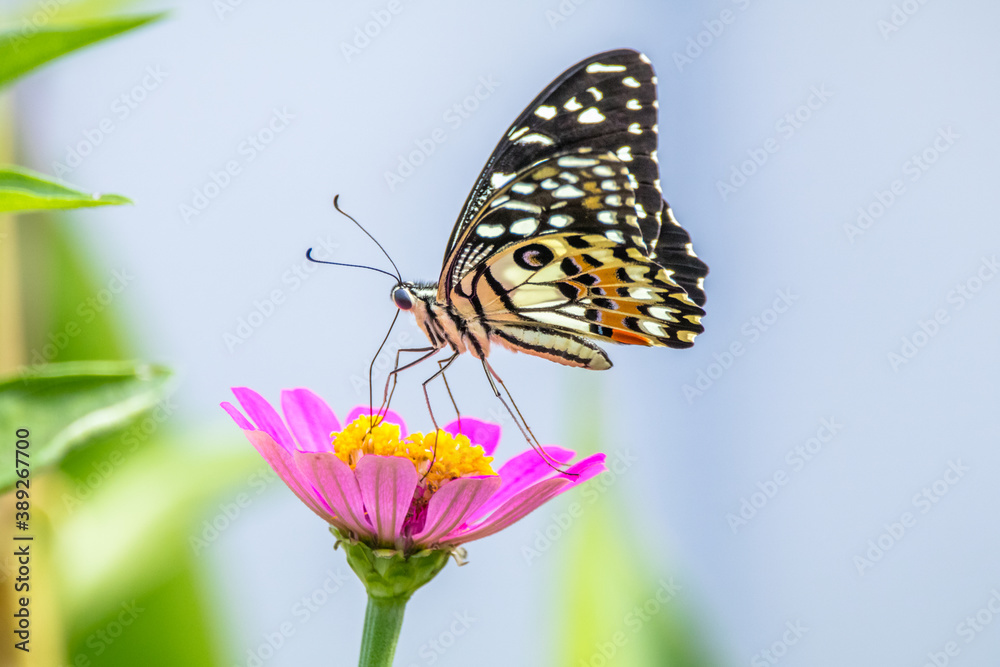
383, 620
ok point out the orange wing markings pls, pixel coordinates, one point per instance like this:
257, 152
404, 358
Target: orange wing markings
630, 338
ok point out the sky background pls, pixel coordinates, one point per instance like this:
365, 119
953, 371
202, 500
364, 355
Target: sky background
869, 342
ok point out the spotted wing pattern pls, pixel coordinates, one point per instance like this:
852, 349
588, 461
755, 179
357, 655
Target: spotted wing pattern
557, 255
566, 236
606, 103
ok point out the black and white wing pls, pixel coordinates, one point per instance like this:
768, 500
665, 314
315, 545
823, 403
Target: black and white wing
566, 236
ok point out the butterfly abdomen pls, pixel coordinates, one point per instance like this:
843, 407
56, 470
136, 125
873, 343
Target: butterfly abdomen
561, 348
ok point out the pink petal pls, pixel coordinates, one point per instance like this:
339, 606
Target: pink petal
586, 468
387, 485
336, 483
528, 500
390, 417
282, 463
453, 503
310, 419
522, 471
478, 432
237, 416
264, 416
514, 510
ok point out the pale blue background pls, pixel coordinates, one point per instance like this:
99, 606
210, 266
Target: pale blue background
826, 357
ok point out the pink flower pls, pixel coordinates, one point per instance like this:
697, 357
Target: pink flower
375, 484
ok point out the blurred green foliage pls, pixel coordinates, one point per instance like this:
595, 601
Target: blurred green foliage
67, 295
25, 190
128, 491
23, 50
616, 607
618, 610
130, 528
70, 404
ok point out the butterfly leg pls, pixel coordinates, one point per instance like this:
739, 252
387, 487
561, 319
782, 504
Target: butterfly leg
442, 367
458, 413
516, 415
426, 352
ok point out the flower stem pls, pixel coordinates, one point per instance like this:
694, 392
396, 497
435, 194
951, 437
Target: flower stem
383, 620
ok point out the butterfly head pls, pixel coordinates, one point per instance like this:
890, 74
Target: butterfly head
420, 300
403, 296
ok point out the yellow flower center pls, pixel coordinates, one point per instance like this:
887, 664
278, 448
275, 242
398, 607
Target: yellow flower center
452, 456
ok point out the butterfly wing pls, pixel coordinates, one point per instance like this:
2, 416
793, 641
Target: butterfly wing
606, 103
556, 256
565, 237
673, 250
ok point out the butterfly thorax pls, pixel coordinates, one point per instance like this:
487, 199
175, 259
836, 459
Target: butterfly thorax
441, 322
446, 326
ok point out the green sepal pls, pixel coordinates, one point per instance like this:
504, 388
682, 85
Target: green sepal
389, 573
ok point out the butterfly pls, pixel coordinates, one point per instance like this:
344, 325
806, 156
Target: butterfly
565, 240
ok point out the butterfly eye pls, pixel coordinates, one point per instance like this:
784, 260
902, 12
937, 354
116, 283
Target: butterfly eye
401, 297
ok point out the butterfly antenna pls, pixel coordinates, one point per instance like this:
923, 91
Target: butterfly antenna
336, 205
355, 266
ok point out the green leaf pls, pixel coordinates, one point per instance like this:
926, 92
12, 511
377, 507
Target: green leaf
23, 50
63, 406
25, 190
